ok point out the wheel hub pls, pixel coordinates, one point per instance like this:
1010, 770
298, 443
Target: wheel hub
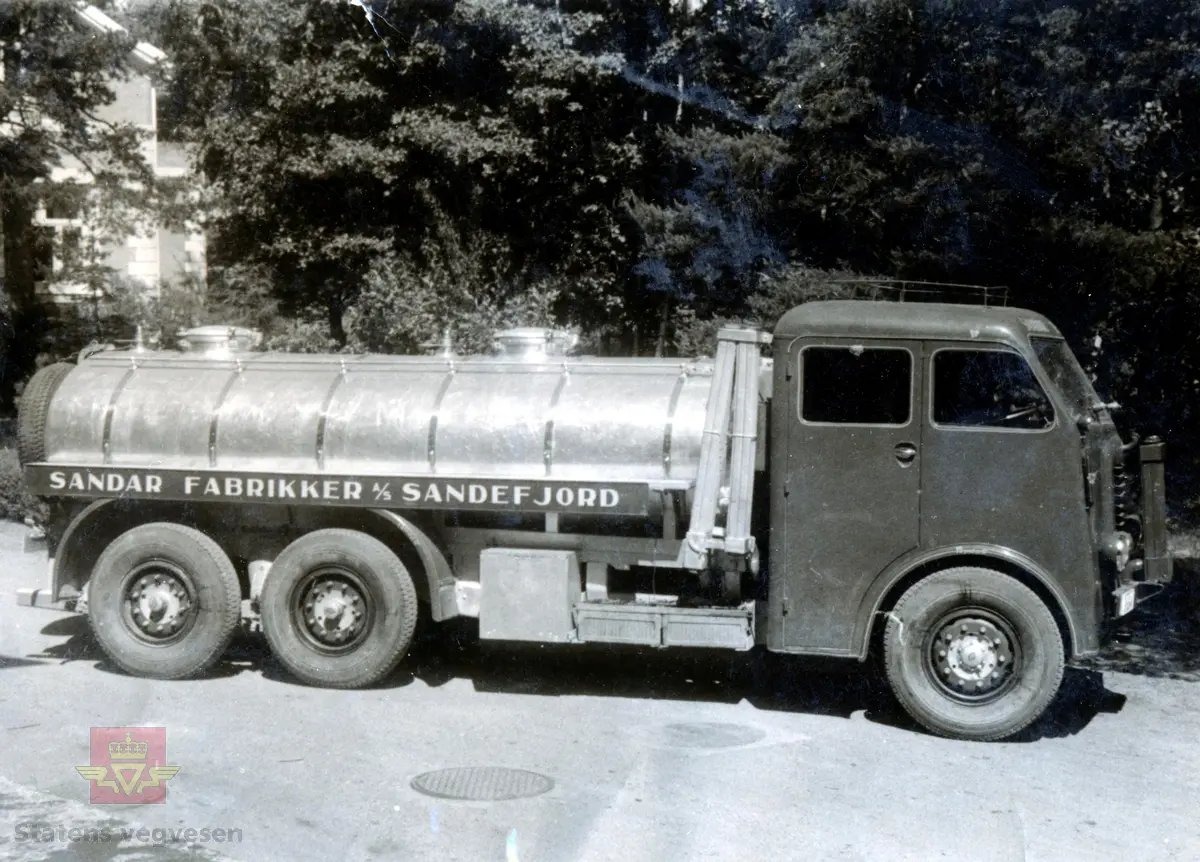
159, 603
334, 611
972, 656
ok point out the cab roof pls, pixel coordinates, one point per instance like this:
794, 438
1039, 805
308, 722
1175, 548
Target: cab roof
913, 321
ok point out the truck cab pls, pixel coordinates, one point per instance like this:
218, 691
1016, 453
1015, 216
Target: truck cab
916, 438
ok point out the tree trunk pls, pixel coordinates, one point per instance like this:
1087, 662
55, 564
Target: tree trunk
16, 221
337, 329
1156, 204
663, 313
24, 324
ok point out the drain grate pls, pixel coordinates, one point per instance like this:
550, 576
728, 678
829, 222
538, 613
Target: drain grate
482, 783
703, 734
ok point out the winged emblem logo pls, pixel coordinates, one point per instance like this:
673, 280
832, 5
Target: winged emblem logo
129, 769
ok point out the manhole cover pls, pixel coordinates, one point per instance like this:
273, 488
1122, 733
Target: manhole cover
482, 783
702, 734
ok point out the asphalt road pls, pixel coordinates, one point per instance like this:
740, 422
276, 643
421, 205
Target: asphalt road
653, 757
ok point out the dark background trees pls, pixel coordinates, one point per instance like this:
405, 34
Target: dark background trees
640, 170
56, 80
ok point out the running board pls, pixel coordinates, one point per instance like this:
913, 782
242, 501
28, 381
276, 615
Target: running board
663, 626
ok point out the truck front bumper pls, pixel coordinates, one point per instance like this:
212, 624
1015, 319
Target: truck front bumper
1145, 575
40, 597
30, 597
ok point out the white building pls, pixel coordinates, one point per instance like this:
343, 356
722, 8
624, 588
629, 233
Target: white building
152, 254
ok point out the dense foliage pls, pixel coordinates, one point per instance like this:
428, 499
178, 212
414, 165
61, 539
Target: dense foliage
377, 172
57, 77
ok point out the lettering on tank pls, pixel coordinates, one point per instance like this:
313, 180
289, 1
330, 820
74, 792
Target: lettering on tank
397, 492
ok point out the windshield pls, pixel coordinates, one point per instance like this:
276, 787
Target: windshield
1062, 366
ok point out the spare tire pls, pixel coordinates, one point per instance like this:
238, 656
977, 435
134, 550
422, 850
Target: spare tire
35, 406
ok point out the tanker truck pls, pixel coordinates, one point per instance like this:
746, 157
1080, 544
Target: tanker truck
932, 484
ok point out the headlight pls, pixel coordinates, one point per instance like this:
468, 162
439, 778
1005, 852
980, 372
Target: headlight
1117, 547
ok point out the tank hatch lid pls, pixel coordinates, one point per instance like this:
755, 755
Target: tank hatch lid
534, 342
218, 338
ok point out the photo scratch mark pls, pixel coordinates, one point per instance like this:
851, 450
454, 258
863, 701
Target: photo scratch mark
372, 14
1022, 835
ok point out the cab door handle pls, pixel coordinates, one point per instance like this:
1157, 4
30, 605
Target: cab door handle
906, 453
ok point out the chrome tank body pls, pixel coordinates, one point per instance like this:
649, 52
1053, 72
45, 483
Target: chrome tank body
537, 418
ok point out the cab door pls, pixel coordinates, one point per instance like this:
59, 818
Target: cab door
851, 501
1001, 466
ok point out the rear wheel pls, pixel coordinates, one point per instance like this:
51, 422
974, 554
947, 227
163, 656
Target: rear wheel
973, 654
164, 601
339, 609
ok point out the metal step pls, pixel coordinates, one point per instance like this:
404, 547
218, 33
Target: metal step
665, 625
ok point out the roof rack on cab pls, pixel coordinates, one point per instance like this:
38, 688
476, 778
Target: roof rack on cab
902, 290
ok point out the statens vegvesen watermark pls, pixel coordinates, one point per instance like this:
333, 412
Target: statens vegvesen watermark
46, 833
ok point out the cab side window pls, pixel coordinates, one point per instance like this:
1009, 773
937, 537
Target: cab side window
988, 389
856, 385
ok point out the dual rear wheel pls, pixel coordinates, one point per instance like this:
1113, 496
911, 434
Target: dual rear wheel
339, 609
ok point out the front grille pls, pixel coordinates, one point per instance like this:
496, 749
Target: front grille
1125, 503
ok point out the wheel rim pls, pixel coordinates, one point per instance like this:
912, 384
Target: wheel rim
158, 602
973, 655
332, 610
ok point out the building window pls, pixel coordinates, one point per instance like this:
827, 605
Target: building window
42, 247
61, 208
71, 246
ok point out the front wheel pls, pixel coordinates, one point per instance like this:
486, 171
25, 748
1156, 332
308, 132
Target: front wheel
973, 654
339, 609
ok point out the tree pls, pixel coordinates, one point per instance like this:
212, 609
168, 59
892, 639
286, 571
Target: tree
57, 79
651, 165
1049, 147
333, 151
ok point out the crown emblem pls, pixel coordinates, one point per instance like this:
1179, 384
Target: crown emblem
128, 775
128, 750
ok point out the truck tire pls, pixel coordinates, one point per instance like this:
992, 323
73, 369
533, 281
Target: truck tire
35, 406
339, 609
164, 601
973, 654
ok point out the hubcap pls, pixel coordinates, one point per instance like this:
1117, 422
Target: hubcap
158, 602
972, 656
334, 611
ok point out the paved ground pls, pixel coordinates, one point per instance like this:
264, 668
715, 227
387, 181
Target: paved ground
652, 757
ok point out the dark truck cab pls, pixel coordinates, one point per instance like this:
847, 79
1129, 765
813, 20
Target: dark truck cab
921, 450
